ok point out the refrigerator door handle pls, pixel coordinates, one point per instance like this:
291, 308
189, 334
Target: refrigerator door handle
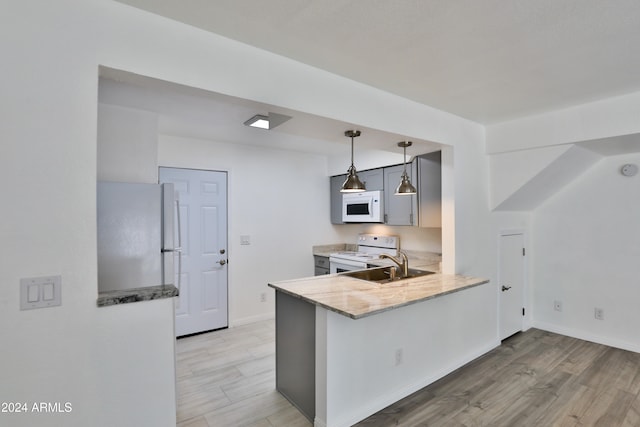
178, 232
171, 210
179, 248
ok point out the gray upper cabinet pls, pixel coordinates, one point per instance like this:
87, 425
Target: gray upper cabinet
336, 198
373, 179
398, 210
423, 209
429, 184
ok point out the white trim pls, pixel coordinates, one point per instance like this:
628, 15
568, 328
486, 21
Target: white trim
251, 319
319, 423
512, 231
598, 339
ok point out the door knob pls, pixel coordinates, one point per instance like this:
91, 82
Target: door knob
222, 251
222, 262
505, 288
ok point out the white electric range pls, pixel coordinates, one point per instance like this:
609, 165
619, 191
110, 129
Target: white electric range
370, 247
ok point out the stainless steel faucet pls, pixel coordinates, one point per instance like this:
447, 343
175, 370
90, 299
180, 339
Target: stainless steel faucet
404, 265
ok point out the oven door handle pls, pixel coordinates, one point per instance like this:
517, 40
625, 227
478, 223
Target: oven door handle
337, 265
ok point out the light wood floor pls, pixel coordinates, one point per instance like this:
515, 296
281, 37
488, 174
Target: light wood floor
536, 378
226, 378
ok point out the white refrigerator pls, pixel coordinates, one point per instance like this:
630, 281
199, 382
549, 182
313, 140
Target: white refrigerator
137, 244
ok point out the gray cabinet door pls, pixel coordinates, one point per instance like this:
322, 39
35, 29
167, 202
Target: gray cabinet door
398, 210
373, 179
423, 209
335, 183
430, 190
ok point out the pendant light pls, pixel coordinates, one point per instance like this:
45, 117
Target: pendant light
352, 184
405, 188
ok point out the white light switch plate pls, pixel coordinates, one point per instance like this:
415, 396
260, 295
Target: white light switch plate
40, 292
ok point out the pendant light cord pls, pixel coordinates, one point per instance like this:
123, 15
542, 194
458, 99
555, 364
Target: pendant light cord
405, 159
352, 151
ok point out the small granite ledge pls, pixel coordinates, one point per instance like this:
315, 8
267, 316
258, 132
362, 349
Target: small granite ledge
127, 296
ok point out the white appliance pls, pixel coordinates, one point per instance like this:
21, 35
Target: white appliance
365, 206
370, 247
137, 246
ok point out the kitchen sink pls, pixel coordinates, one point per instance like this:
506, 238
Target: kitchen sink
385, 274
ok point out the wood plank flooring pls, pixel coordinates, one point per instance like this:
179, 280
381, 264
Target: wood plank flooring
536, 378
227, 378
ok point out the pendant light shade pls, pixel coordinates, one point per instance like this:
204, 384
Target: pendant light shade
352, 184
405, 188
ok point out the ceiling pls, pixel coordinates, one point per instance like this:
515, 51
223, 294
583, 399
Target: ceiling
194, 113
488, 61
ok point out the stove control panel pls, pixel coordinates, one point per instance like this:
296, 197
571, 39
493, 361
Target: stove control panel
379, 241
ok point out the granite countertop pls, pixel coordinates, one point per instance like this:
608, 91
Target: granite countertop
326, 250
357, 298
126, 296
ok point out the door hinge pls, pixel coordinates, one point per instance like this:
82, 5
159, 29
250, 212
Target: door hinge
386, 218
522, 251
523, 311
411, 219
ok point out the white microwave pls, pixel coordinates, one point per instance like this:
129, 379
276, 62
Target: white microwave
365, 206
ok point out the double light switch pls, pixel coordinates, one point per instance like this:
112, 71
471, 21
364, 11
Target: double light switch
40, 292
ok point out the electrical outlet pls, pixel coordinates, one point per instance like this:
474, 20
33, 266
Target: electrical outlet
398, 356
557, 305
598, 313
263, 297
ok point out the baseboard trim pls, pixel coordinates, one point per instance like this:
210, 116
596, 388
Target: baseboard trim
251, 319
586, 336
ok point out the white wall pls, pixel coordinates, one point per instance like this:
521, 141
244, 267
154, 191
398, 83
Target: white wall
600, 119
587, 248
510, 171
577, 245
127, 145
51, 54
358, 375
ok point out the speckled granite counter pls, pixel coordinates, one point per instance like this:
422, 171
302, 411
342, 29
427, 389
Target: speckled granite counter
357, 298
338, 371
326, 250
137, 294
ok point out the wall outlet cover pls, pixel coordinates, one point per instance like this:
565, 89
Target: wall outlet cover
598, 313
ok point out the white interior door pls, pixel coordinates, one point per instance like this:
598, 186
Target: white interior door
511, 280
202, 304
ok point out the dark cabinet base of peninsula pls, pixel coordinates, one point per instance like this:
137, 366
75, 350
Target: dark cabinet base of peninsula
296, 352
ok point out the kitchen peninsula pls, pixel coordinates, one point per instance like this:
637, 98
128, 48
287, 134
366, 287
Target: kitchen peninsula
346, 348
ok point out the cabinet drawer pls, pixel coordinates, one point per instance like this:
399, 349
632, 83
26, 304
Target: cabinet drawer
320, 271
321, 261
